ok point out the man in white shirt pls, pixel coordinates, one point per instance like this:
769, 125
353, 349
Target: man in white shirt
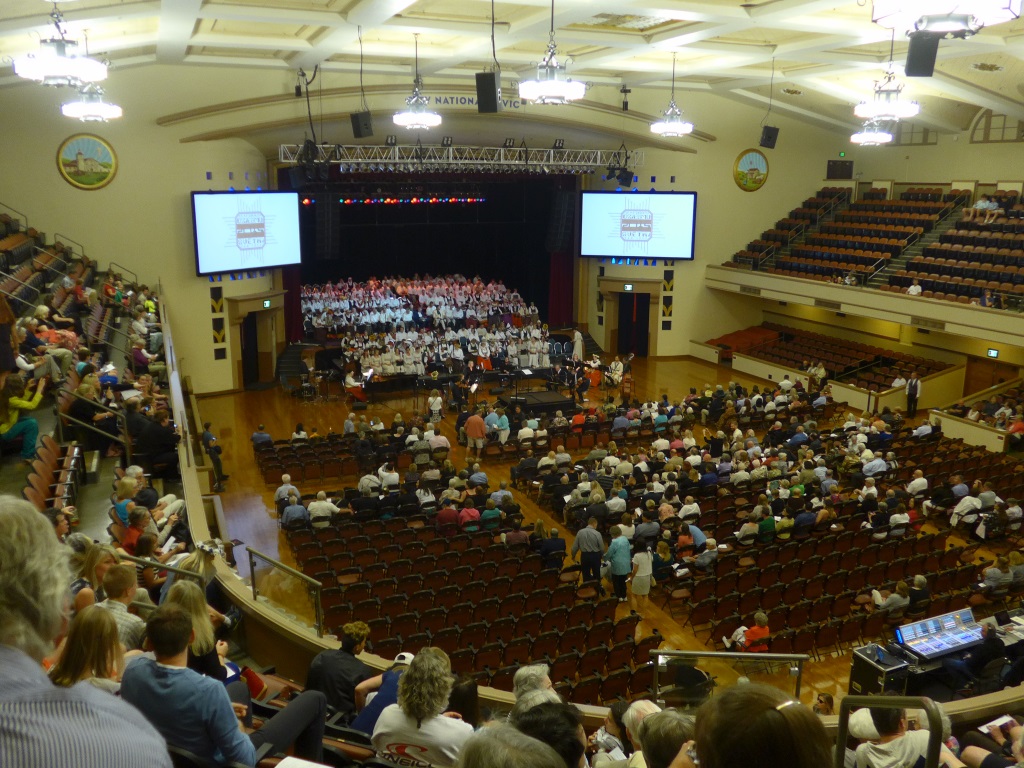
689, 509
368, 483
919, 484
914, 289
320, 511
785, 385
898, 382
388, 476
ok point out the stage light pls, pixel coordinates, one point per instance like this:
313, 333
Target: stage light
559, 144
446, 141
391, 140
509, 144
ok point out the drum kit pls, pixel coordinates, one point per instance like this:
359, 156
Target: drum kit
316, 387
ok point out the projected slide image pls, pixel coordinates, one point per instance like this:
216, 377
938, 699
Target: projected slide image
636, 224
242, 231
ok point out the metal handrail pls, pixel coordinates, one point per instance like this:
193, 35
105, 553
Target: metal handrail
313, 585
125, 269
161, 566
24, 218
798, 658
48, 252
70, 240
118, 414
22, 283
930, 708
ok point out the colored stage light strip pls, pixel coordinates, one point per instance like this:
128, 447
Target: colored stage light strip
411, 200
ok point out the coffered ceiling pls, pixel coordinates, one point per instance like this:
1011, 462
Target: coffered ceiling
813, 58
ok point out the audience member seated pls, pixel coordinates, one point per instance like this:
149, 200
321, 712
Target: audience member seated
338, 674
13, 401
194, 712
415, 725
80, 725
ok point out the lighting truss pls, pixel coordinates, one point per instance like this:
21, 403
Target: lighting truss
436, 158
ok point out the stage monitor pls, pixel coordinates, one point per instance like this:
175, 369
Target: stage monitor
239, 231
646, 225
940, 635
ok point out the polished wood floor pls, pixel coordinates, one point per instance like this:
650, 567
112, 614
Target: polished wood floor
250, 517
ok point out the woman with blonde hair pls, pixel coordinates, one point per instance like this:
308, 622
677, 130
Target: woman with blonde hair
88, 587
435, 404
200, 561
206, 655
416, 721
124, 493
86, 408
92, 652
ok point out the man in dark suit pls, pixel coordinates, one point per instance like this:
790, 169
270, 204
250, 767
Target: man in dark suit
552, 549
913, 392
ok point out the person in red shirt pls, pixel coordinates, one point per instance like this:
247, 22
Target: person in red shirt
476, 434
753, 639
1016, 431
447, 517
137, 520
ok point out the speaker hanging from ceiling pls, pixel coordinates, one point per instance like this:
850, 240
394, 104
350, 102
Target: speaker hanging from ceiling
769, 135
921, 55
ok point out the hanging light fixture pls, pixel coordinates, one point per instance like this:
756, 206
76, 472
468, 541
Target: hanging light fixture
57, 62
672, 123
873, 134
886, 104
416, 116
552, 85
952, 16
90, 106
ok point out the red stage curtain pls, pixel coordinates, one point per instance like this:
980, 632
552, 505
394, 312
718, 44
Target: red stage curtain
291, 281
560, 287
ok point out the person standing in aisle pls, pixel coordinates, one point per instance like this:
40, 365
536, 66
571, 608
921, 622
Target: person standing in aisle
913, 393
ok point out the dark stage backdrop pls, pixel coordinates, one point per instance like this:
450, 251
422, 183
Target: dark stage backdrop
520, 235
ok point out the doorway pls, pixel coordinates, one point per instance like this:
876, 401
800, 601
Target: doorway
250, 350
634, 317
983, 373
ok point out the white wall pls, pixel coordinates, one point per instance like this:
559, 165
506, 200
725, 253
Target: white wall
142, 219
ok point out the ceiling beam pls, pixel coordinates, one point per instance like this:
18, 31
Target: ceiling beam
806, 115
964, 91
366, 13
177, 21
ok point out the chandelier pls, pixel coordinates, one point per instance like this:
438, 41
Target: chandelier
552, 85
886, 104
672, 123
873, 134
57, 62
951, 16
90, 106
417, 116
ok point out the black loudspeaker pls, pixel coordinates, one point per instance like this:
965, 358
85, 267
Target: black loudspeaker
488, 92
769, 135
362, 125
924, 47
358, 406
839, 169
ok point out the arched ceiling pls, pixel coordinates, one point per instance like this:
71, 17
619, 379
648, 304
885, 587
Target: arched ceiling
813, 58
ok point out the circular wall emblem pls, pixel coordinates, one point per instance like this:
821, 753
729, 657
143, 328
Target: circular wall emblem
86, 161
751, 170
